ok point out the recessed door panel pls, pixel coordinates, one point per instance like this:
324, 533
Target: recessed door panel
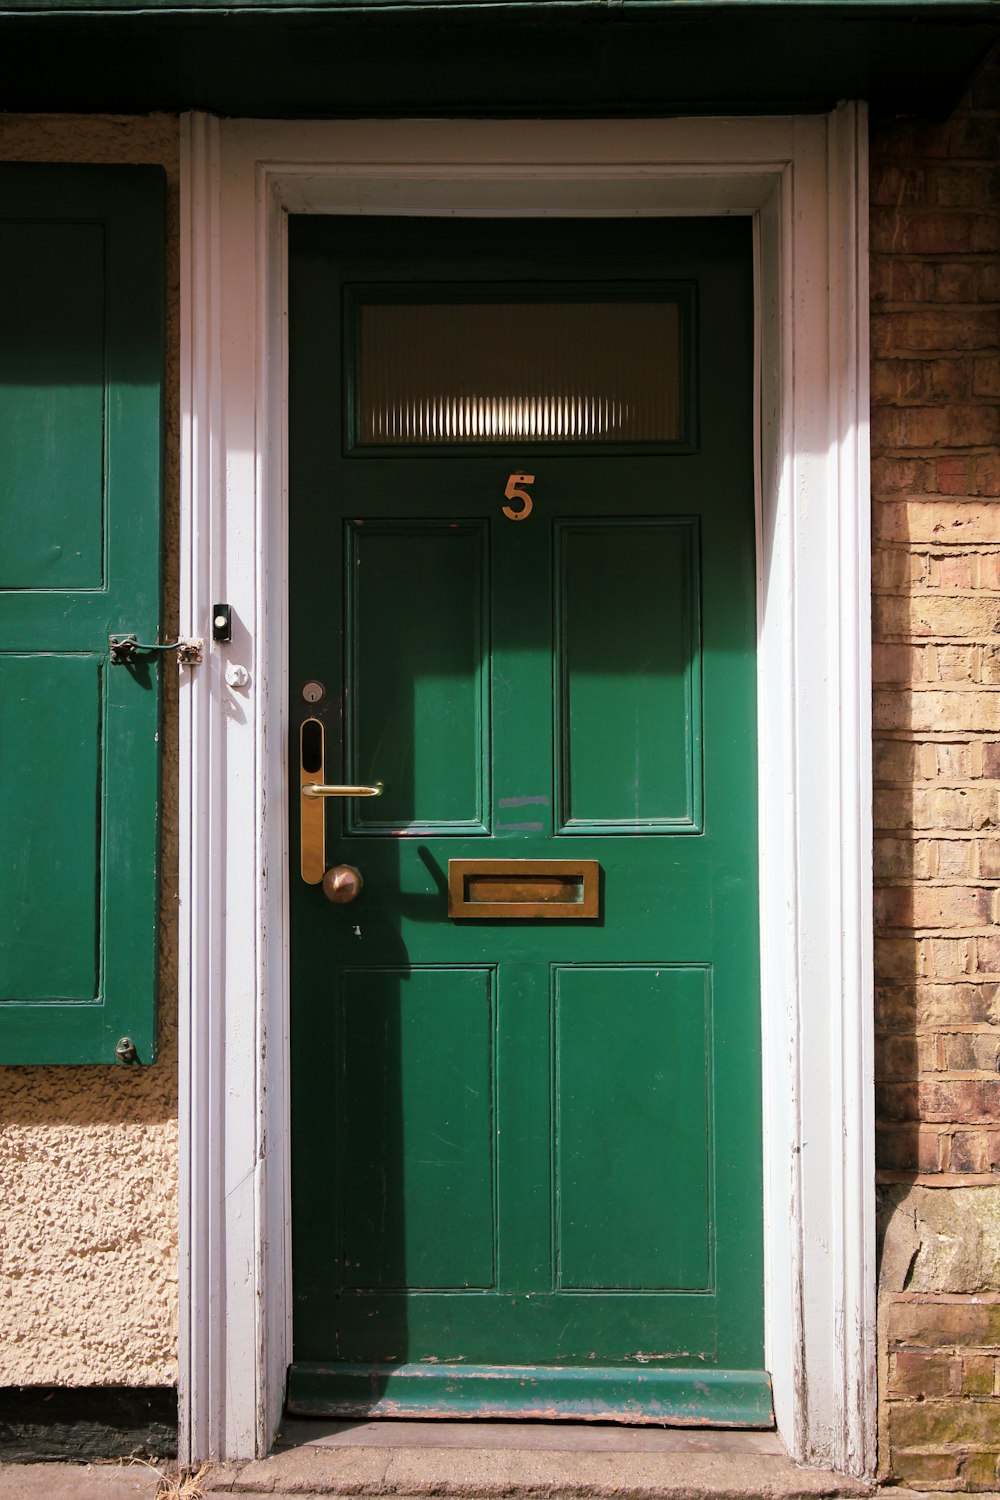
632, 1086
50, 810
629, 670
416, 1070
53, 367
416, 682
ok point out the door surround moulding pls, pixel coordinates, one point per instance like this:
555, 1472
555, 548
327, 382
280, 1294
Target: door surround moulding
804, 181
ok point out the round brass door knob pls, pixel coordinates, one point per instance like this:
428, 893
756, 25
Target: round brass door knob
342, 883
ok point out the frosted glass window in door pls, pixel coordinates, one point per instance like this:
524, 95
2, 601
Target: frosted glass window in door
526, 371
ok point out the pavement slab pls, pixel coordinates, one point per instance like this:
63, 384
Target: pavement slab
61, 1481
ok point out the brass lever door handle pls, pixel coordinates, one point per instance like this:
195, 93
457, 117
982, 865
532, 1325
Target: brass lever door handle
316, 789
313, 788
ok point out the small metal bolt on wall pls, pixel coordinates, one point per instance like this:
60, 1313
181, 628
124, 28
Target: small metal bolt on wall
125, 1050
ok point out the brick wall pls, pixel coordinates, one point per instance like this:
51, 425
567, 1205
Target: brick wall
935, 195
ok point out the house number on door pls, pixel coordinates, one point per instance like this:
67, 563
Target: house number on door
515, 492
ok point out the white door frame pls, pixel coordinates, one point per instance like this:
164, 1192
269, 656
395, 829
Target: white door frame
804, 181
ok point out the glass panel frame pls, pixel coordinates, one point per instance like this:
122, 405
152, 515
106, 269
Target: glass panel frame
681, 293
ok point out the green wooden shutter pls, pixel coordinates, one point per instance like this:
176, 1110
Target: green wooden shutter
81, 391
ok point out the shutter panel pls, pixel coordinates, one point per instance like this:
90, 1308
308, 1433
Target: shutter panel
81, 390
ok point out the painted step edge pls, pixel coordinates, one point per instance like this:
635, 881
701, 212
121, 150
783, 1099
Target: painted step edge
695, 1398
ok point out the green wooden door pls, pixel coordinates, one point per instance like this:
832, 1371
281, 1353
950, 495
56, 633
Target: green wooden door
526, 1148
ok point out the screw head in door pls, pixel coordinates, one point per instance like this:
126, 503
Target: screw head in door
313, 692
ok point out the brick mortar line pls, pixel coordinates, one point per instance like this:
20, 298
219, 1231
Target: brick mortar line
947, 1299
950, 1028
946, 450
945, 834
949, 1075
932, 497
938, 547
936, 882
909, 309
923, 591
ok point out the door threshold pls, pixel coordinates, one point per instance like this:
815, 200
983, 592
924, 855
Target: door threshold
548, 1436
527, 1461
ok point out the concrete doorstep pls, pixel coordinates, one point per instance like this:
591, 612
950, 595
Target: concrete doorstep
508, 1462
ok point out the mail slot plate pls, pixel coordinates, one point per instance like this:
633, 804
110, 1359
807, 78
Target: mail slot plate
513, 889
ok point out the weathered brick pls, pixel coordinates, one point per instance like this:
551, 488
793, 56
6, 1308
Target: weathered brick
978, 1373
932, 1324
895, 569
896, 280
928, 709
947, 958
951, 186
952, 760
953, 426
988, 955
898, 1058
979, 1471
907, 857
956, 663
969, 1051
969, 523
894, 476
989, 858
913, 1374
962, 1002
985, 376
956, 281
962, 1100
954, 858
989, 281
951, 808
926, 615
975, 1151
931, 232
895, 761
920, 1468
953, 570
941, 1421
934, 1101
898, 663
920, 380
939, 330
984, 233
953, 475
966, 136
896, 184
923, 906
907, 1148
985, 473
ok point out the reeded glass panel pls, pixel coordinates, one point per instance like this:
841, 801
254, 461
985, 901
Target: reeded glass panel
519, 371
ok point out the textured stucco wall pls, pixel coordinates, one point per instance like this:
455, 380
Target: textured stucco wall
88, 1156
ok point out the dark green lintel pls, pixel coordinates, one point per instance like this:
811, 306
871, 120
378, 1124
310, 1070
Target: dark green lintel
338, 58
720, 1398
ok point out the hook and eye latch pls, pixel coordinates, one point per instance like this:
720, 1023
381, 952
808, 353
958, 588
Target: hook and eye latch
125, 648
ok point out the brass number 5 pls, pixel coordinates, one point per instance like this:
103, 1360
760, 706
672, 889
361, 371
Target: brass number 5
514, 492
